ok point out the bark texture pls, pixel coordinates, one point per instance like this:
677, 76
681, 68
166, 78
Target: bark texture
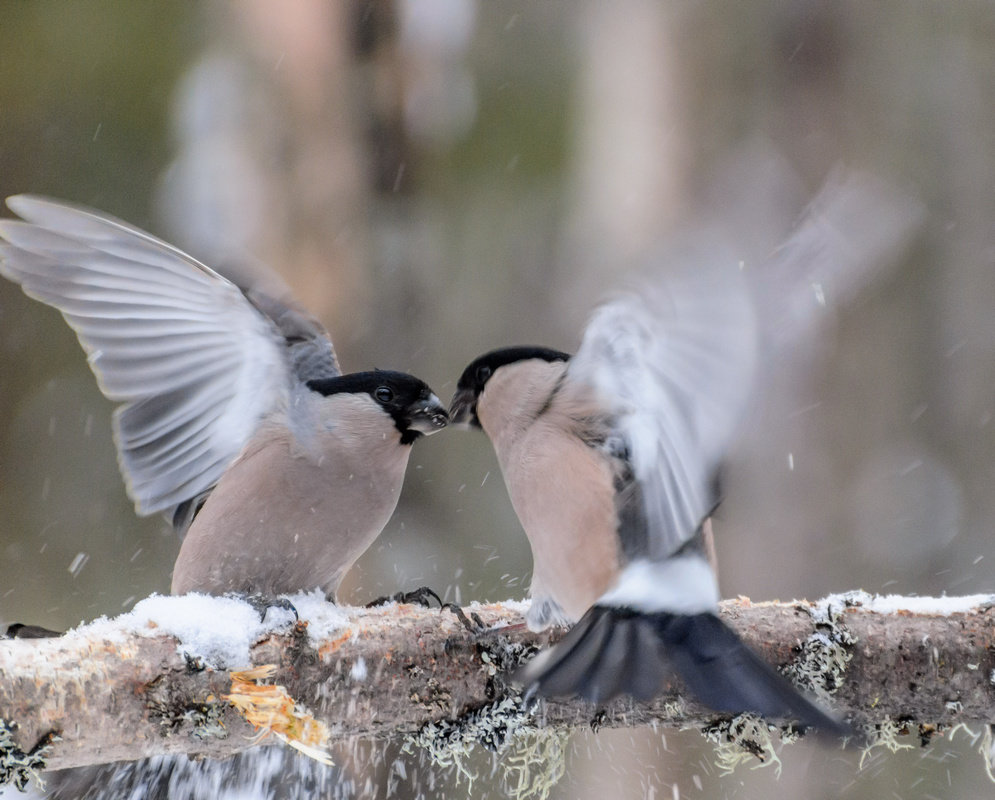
393, 669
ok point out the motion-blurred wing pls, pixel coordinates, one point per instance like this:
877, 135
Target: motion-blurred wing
676, 362
193, 363
674, 365
851, 230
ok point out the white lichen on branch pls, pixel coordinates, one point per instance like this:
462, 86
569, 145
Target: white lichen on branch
18, 767
821, 665
745, 739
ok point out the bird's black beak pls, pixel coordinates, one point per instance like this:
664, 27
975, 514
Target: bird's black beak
463, 409
428, 415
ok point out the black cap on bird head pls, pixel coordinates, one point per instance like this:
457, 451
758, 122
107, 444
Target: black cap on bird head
463, 408
410, 401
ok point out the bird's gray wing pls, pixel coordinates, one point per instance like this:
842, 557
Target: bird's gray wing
309, 350
675, 361
194, 365
309, 347
673, 365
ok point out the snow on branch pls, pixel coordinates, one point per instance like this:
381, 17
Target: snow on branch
160, 679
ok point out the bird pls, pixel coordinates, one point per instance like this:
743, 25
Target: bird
611, 458
233, 417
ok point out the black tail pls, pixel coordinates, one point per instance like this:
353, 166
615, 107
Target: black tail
617, 651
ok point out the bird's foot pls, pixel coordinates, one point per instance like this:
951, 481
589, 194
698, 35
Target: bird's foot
263, 603
472, 623
421, 596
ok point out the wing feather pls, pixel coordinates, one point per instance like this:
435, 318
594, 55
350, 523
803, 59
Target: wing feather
192, 362
675, 361
673, 364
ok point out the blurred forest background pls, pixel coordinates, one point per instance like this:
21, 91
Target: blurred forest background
439, 177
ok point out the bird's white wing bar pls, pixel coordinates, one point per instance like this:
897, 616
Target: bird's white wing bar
674, 365
684, 584
194, 364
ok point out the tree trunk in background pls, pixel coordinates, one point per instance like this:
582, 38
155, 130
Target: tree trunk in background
630, 158
271, 156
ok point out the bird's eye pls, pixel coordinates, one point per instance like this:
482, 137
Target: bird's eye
483, 373
384, 394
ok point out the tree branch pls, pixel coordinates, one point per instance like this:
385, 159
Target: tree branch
112, 694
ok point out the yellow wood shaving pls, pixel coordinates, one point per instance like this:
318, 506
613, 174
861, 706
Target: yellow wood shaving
272, 710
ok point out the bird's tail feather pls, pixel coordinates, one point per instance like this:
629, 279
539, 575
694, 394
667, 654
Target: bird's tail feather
617, 651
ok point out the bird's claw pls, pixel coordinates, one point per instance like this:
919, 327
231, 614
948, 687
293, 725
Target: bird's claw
263, 603
421, 596
472, 623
